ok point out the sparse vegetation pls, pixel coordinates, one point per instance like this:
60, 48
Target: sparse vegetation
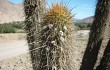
83, 26
18, 25
6, 28
12, 27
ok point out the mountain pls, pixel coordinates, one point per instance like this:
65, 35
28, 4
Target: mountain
85, 20
10, 12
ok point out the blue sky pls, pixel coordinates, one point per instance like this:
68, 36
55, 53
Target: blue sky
16, 1
83, 8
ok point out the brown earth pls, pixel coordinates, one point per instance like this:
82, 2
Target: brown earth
12, 36
10, 12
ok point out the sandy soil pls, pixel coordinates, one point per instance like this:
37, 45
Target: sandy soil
20, 62
12, 36
14, 53
12, 48
12, 44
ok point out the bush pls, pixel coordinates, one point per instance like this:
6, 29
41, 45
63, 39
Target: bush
18, 25
83, 26
12, 27
6, 28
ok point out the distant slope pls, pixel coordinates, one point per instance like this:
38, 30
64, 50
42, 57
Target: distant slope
10, 12
85, 20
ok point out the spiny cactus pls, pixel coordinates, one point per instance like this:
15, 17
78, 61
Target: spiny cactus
56, 52
34, 10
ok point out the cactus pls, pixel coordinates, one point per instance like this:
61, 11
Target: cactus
34, 10
50, 39
56, 52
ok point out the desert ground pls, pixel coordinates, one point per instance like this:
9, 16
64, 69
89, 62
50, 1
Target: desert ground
14, 54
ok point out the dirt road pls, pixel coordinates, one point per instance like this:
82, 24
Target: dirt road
12, 48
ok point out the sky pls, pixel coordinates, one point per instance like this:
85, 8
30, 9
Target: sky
81, 8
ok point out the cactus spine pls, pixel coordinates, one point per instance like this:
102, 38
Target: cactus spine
52, 37
33, 16
56, 51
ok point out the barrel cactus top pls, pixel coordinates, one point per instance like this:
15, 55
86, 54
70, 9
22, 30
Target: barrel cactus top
58, 14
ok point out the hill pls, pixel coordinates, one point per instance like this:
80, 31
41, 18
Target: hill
85, 20
10, 12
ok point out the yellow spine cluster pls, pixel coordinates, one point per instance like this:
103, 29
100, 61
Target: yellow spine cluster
58, 14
